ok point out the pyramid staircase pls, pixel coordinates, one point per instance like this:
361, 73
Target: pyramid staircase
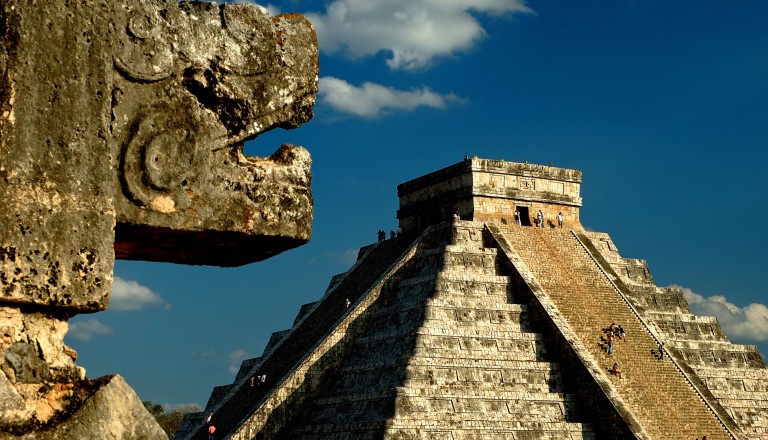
436, 347
446, 355
659, 398
322, 323
736, 375
463, 332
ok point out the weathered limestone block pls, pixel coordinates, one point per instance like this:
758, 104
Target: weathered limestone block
122, 127
56, 202
112, 411
125, 140
37, 371
195, 81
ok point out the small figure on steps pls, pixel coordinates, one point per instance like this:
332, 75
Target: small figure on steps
616, 370
609, 340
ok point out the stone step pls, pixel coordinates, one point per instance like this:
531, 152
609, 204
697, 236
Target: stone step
487, 362
462, 249
758, 375
495, 289
449, 408
457, 430
743, 388
467, 378
492, 387
756, 401
525, 352
588, 302
509, 320
310, 331
467, 233
463, 276
460, 302
450, 338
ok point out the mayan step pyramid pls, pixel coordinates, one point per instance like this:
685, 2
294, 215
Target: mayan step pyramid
479, 321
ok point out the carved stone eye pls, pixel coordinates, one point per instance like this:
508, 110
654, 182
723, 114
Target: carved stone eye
168, 160
160, 161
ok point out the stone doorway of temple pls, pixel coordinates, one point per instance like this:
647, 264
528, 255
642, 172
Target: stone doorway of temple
525, 219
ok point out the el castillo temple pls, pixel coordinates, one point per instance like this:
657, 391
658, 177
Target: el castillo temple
491, 315
477, 327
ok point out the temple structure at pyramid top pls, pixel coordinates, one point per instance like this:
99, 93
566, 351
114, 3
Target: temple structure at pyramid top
491, 191
480, 321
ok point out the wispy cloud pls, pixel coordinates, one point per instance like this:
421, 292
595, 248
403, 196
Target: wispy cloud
235, 358
348, 257
273, 10
129, 296
413, 32
745, 323
206, 354
374, 100
87, 329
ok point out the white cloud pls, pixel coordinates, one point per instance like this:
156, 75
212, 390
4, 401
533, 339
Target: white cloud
273, 10
128, 295
746, 323
235, 358
87, 329
374, 100
413, 32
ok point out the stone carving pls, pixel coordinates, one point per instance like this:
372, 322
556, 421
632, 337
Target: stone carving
122, 127
195, 82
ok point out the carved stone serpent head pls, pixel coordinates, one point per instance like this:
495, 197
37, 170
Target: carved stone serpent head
195, 81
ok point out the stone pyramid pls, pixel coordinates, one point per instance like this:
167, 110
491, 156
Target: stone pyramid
477, 323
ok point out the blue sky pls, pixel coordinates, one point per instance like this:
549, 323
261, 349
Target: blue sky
662, 105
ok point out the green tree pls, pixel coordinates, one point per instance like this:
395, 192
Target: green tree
170, 420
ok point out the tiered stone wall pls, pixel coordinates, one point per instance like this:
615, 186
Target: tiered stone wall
587, 301
461, 340
454, 359
735, 374
298, 358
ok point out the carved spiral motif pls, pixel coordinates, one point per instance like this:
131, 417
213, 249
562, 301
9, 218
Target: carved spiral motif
142, 52
160, 162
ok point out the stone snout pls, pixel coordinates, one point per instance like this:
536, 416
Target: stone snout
186, 192
124, 139
239, 209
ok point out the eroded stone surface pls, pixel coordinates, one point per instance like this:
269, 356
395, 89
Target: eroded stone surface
38, 372
197, 81
125, 139
113, 411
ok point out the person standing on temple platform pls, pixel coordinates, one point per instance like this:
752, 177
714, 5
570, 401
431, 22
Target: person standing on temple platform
540, 218
560, 220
